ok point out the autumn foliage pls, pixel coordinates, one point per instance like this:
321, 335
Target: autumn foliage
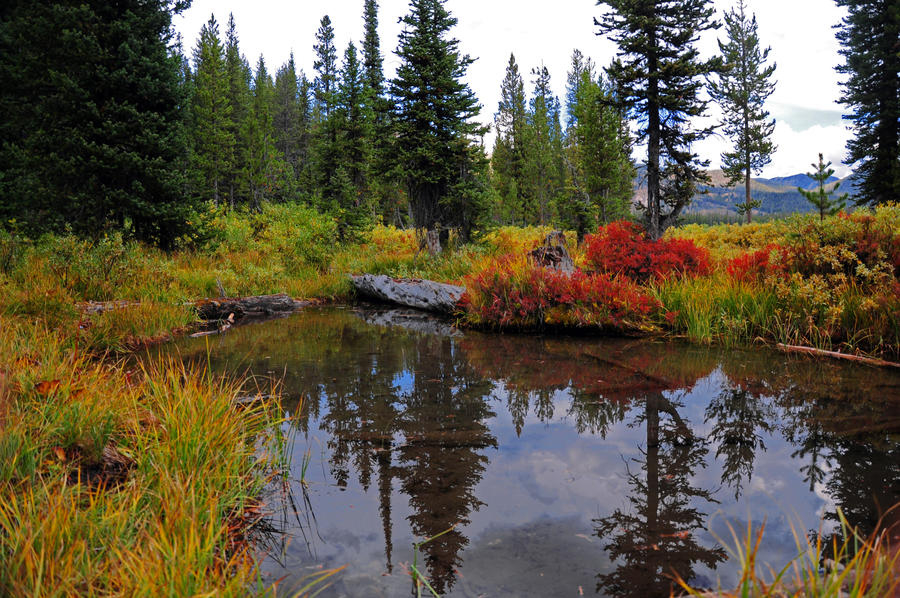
622, 249
520, 295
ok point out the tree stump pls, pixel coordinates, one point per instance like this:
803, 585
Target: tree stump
553, 254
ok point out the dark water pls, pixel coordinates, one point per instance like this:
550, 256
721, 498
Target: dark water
563, 465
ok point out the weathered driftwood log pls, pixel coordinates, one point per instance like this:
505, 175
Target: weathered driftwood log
837, 355
426, 295
247, 307
553, 254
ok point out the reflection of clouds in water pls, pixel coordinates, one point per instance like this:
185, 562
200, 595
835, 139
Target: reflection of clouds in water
765, 485
547, 556
542, 488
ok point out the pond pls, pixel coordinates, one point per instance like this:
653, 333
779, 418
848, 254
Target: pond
562, 466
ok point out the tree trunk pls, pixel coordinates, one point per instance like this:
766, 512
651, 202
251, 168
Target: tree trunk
747, 189
653, 141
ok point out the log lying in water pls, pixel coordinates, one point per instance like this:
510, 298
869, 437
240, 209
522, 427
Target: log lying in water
426, 295
247, 307
836, 355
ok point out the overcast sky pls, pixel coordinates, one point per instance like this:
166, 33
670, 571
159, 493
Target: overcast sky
799, 31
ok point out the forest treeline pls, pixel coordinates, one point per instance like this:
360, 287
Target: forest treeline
109, 123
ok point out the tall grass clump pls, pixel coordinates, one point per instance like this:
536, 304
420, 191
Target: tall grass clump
850, 565
123, 480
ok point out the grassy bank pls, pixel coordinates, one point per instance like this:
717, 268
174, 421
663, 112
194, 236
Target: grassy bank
115, 480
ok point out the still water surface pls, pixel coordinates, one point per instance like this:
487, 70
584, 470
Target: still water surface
565, 466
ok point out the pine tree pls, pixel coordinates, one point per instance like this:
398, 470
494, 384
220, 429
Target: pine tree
288, 127
238, 75
331, 183
601, 172
262, 156
581, 66
658, 76
868, 36
91, 128
433, 130
212, 135
371, 49
355, 139
325, 65
386, 198
741, 88
544, 166
820, 198
508, 157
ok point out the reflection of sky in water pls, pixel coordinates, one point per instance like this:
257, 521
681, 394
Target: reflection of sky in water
541, 489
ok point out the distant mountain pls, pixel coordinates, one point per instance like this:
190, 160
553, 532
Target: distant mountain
779, 195
804, 181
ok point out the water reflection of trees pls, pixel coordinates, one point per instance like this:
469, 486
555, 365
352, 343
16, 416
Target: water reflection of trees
740, 419
656, 535
443, 457
853, 447
411, 410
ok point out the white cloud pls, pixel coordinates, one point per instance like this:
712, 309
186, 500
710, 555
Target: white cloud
799, 31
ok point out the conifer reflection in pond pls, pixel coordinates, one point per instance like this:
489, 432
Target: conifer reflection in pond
562, 462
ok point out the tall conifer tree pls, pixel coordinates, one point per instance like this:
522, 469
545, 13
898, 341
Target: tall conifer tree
741, 88
331, 185
432, 122
373, 62
287, 123
350, 183
238, 75
386, 198
325, 65
598, 150
869, 37
212, 134
658, 76
544, 166
91, 120
508, 157
261, 153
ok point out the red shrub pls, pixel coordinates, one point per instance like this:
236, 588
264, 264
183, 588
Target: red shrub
622, 249
755, 265
507, 295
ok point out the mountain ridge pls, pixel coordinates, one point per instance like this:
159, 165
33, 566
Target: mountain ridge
778, 195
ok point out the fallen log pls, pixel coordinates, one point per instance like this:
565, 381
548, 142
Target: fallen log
248, 307
837, 355
426, 295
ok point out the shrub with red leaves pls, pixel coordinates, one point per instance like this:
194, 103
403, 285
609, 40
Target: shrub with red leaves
622, 249
510, 295
755, 265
